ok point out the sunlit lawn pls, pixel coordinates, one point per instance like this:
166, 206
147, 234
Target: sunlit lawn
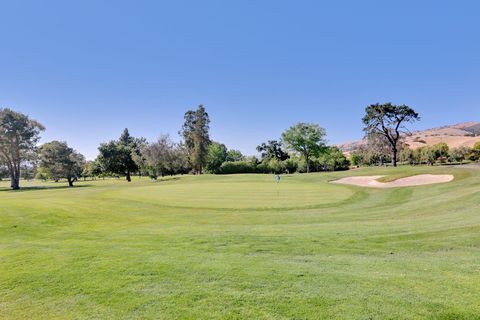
242, 246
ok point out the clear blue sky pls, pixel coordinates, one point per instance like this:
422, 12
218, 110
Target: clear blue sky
88, 69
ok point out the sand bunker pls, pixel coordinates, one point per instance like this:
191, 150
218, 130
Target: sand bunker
418, 180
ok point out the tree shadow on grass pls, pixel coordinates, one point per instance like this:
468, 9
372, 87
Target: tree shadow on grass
36, 188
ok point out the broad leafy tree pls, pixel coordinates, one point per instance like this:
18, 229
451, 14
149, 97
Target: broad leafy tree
195, 132
217, 155
272, 149
389, 120
159, 156
333, 159
92, 169
308, 139
181, 160
18, 138
117, 157
234, 156
61, 162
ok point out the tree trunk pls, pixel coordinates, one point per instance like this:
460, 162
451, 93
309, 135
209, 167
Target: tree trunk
15, 177
307, 160
129, 178
394, 157
14, 181
70, 182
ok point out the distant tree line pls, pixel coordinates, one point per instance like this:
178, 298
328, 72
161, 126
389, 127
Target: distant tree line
440, 153
301, 148
375, 152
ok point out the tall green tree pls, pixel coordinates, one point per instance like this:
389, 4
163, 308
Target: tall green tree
117, 156
389, 120
61, 161
195, 132
308, 139
18, 139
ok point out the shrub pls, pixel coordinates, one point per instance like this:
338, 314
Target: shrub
332, 160
263, 167
441, 151
407, 155
475, 152
42, 174
230, 167
291, 165
276, 166
458, 154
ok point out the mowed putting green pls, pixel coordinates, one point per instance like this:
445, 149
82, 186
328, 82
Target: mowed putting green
242, 246
254, 192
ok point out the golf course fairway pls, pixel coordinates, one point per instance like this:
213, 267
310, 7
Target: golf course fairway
242, 247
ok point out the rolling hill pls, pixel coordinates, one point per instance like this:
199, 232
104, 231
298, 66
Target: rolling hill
462, 134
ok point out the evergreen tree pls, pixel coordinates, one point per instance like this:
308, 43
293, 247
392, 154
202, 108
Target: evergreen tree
195, 132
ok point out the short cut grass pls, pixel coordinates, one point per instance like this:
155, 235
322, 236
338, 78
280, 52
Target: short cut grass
242, 246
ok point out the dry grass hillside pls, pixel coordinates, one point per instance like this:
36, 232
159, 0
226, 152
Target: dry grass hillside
462, 134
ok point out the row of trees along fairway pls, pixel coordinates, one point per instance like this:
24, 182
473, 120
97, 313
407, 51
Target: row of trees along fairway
301, 148
129, 155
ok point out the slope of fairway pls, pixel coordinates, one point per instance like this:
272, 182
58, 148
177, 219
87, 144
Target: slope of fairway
242, 246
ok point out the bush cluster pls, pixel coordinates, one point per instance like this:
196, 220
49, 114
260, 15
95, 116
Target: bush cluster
331, 160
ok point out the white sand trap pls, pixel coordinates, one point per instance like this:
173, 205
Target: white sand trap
418, 180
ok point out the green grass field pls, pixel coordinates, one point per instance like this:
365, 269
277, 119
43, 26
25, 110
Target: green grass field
241, 246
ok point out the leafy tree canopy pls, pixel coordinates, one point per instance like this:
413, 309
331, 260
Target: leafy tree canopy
18, 138
61, 161
217, 154
308, 139
117, 156
234, 156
